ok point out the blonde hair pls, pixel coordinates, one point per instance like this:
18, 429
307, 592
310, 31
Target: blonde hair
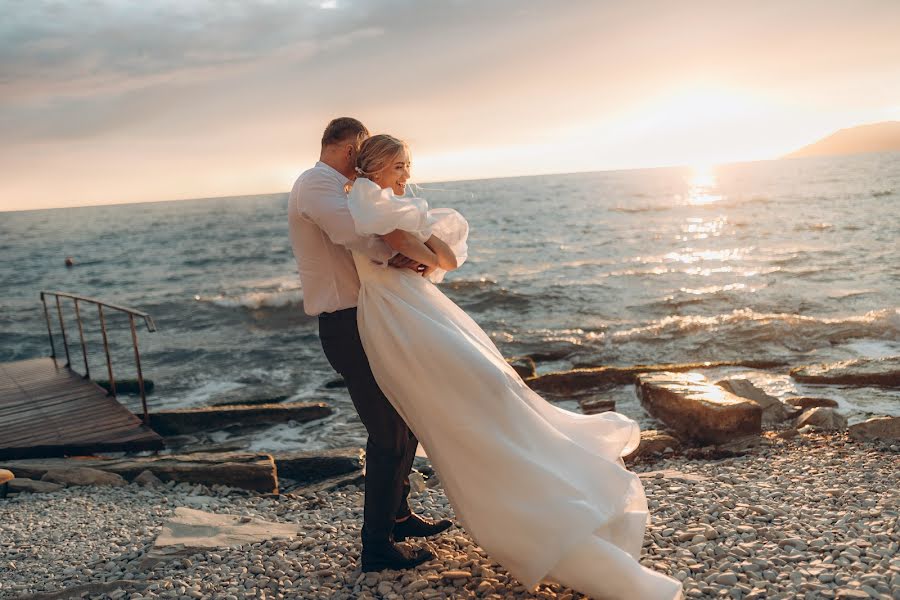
377, 152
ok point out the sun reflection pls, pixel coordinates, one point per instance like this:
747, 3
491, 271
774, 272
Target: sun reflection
702, 184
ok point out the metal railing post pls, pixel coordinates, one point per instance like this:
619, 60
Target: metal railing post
137, 360
62, 326
49, 330
112, 380
87, 369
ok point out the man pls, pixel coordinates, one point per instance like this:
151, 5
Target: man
322, 235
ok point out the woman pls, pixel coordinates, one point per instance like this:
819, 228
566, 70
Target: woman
542, 490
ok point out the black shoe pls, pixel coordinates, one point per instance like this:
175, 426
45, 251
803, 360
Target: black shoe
416, 526
378, 557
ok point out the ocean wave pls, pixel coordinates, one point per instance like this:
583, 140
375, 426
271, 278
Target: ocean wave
746, 325
484, 294
256, 300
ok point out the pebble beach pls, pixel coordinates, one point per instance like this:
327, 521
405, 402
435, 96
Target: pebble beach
812, 516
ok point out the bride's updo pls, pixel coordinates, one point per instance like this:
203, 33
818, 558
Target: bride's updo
377, 152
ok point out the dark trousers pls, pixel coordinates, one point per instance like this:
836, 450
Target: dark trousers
391, 446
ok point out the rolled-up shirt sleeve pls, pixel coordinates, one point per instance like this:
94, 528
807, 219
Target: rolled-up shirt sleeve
327, 207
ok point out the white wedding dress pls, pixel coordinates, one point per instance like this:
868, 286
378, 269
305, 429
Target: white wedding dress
542, 490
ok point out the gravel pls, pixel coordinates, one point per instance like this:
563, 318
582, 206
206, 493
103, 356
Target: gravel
816, 516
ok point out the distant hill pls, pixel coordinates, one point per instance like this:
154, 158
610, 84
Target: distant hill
877, 137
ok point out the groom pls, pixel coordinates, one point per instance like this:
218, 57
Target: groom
322, 235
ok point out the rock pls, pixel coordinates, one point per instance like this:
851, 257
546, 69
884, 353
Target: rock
127, 386
773, 410
569, 382
653, 442
335, 384
190, 420
696, 410
147, 479
248, 471
190, 531
804, 402
592, 405
822, 418
5, 477
883, 372
20, 484
83, 476
311, 466
240, 397
524, 366
881, 428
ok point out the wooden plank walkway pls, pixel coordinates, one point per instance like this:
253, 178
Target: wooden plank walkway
48, 410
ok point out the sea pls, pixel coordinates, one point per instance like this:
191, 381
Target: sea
794, 260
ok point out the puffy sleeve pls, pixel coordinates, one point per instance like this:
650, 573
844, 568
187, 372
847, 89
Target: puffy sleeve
377, 211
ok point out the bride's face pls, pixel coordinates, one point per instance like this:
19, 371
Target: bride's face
395, 174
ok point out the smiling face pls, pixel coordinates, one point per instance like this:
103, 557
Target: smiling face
395, 174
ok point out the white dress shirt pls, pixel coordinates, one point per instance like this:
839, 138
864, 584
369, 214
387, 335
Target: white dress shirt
322, 235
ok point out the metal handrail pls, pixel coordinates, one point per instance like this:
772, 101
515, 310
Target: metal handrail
132, 313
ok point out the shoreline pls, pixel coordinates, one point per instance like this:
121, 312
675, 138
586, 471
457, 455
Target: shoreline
814, 516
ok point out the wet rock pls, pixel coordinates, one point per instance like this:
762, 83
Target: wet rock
130, 387
592, 405
335, 384
310, 466
884, 372
208, 418
653, 442
880, 428
774, 411
822, 418
804, 402
524, 366
83, 476
577, 380
31, 486
696, 410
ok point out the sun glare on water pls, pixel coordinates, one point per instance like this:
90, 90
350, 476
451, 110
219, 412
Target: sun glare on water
702, 186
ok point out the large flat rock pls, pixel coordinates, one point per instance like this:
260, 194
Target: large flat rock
578, 380
209, 418
877, 428
315, 465
248, 471
880, 372
696, 410
190, 531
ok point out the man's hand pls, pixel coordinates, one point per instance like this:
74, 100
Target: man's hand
403, 262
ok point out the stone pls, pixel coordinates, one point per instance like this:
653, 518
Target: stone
31, 486
804, 402
881, 372
652, 443
696, 410
523, 365
243, 470
877, 428
211, 418
310, 466
577, 380
592, 405
147, 479
822, 418
773, 410
83, 476
191, 531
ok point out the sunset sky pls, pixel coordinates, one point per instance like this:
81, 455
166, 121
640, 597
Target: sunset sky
109, 102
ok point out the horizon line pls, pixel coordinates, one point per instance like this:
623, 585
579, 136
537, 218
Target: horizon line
202, 198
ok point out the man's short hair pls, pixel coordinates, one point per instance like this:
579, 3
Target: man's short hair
343, 129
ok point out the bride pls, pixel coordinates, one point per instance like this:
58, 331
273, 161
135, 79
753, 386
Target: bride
543, 490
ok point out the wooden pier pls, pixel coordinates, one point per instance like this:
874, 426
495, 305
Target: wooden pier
49, 410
